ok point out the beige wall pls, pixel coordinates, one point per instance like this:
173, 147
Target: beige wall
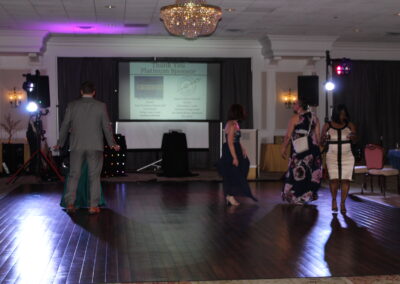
284, 81
8, 80
264, 96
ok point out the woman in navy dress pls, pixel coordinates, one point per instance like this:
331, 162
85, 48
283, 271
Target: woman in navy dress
303, 177
234, 164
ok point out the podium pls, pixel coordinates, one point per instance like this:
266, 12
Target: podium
175, 161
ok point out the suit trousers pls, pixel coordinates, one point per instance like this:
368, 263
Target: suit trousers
94, 160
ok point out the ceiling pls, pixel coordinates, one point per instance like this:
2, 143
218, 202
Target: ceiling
350, 20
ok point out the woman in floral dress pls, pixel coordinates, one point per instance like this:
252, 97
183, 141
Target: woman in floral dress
303, 177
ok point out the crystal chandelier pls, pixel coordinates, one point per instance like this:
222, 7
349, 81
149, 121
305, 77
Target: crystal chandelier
190, 18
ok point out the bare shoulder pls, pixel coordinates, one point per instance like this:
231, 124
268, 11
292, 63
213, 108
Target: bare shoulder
230, 126
294, 119
352, 125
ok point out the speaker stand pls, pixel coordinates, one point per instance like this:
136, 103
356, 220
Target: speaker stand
14, 177
154, 164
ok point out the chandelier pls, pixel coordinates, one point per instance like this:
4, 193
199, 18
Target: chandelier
190, 18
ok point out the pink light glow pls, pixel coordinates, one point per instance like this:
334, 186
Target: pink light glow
83, 28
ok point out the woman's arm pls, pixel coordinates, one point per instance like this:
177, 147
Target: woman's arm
323, 134
288, 135
244, 151
353, 135
231, 133
317, 131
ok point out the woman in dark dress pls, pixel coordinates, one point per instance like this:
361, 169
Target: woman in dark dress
234, 165
82, 199
303, 177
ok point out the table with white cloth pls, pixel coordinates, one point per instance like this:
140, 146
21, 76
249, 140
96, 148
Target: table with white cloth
394, 158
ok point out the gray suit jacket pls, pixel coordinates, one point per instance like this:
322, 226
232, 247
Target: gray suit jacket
86, 119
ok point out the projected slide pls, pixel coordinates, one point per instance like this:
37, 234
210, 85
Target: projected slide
168, 90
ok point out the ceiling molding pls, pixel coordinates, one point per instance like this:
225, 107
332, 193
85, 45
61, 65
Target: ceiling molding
296, 46
367, 50
151, 41
368, 46
13, 41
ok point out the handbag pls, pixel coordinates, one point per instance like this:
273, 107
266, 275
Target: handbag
300, 145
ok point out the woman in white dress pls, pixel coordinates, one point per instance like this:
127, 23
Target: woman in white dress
339, 133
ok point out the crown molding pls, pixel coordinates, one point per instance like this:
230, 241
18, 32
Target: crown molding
16, 41
150, 41
275, 46
368, 46
367, 50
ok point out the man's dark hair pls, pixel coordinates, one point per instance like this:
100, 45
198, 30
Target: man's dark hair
87, 87
336, 113
236, 112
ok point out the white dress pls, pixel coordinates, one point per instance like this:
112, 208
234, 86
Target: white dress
339, 158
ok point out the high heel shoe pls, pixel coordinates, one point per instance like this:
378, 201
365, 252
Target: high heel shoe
334, 205
342, 208
230, 200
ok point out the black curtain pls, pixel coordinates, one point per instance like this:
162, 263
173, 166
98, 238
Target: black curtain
236, 87
101, 71
372, 94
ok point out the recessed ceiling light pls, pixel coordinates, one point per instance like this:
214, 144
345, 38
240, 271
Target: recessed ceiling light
392, 33
85, 27
230, 9
135, 25
234, 30
109, 6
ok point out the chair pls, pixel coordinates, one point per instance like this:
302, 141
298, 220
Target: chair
363, 170
374, 159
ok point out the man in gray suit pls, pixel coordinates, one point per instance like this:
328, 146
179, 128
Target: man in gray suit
86, 120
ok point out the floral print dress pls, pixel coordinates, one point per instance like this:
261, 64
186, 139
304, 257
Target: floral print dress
303, 177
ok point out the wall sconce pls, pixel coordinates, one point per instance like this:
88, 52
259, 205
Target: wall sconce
289, 99
15, 97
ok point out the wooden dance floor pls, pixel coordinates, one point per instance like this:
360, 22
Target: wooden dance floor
182, 231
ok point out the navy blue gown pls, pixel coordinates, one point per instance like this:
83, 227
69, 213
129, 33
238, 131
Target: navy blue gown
234, 178
304, 174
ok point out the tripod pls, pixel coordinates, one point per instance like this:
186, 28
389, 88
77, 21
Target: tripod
38, 155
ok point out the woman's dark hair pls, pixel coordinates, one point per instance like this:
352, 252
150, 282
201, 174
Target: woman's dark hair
236, 112
303, 104
336, 113
87, 87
